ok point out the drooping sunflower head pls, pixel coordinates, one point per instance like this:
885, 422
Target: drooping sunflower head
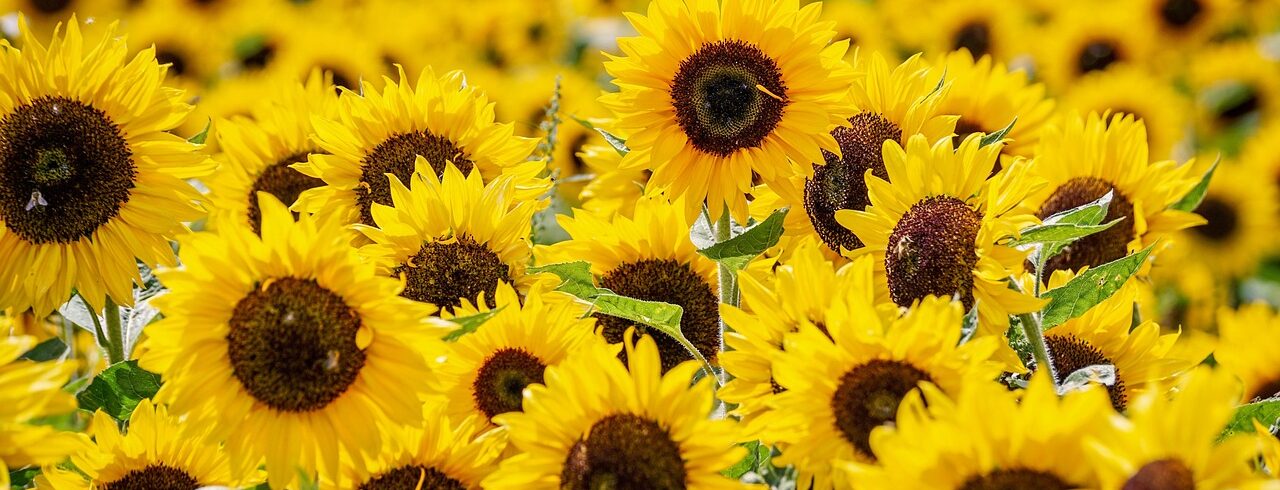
649, 257
936, 230
441, 454
1174, 441
806, 288
988, 97
159, 450
713, 94
488, 370
1245, 335
381, 132
258, 151
598, 424
282, 336
1138, 91
452, 238
1143, 357
91, 182
846, 379
1079, 41
36, 392
894, 104
988, 438
1084, 158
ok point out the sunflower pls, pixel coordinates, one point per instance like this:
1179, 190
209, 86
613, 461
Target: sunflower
326, 40
862, 24
1186, 22
1105, 334
159, 450
998, 28
1241, 212
845, 380
988, 438
1234, 83
192, 50
257, 152
1146, 95
806, 287
713, 93
487, 370
383, 132
934, 231
988, 97
599, 424
286, 341
28, 391
1175, 442
1246, 348
1082, 159
614, 189
441, 454
649, 257
90, 179
1078, 41
894, 104
453, 239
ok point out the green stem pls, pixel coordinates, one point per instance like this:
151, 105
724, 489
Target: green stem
1035, 335
115, 333
728, 278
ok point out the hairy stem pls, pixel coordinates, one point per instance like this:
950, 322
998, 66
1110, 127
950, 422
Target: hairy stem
115, 333
728, 278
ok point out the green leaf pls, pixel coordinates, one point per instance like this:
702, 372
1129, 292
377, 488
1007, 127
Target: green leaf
1090, 288
1104, 374
24, 477
468, 324
738, 251
1193, 198
1059, 232
249, 45
970, 324
1266, 412
575, 276
46, 351
203, 135
664, 317
757, 454
619, 145
118, 389
1085, 214
996, 137
1055, 233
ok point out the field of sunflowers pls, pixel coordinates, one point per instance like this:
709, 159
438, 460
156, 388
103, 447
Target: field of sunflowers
639, 244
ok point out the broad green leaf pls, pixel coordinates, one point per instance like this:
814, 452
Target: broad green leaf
199, 138
756, 455
1085, 214
1193, 198
1090, 288
664, 317
48, 350
1059, 232
995, 137
118, 389
1104, 374
1266, 412
1063, 228
575, 276
738, 251
24, 477
468, 324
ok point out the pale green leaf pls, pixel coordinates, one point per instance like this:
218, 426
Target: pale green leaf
738, 251
1090, 288
1059, 232
1104, 374
575, 276
1193, 198
1266, 412
469, 324
203, 135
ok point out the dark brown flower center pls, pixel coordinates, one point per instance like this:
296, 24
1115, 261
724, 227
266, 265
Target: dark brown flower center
868, 397
50, 7
840, 184
1240, 106
667, 281
1098, 248
281, 181
718, 101
340, 77
176, 61
1016, 479
292, 345
155, 477
65, 170
500, 382
1164, 474
413, 478
444, 274
932, 251
397, 156
575, 146
1071, 353
975, 37
1180, 13
259, 58
1223, 221
624, 452
1269, 390
1098, 55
